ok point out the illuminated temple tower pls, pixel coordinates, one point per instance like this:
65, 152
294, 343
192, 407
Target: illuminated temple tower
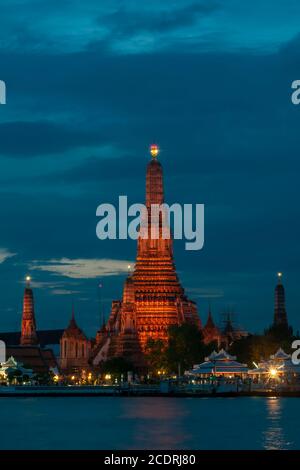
153, 298
28, 329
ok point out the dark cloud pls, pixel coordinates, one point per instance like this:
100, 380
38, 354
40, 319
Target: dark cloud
228, 135
33, 139
125, 22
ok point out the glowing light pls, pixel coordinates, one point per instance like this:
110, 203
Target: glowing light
154, 150
279, 274
273, 372
28, 278
108, 377
55, 378
73, 377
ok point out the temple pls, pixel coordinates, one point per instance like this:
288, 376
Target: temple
280, 315
153, 298
74, 348
211, 332
28, 329
34, 349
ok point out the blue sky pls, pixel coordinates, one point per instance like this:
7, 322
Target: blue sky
89, 86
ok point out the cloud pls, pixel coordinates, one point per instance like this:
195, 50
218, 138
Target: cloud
64, 292
43, 284
125, 22
205, 293
32, 139
96, 169
5, 254
82, 268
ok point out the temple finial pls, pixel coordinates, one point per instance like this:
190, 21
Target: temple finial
279, 276
154, 150
28, 279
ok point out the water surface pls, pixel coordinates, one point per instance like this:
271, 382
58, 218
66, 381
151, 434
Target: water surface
149, 423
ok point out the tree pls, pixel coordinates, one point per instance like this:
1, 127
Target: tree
155, 353
14, 375
185, 347
254, 348
116, 367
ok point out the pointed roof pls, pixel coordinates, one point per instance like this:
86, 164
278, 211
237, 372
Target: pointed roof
229, 326
222, 355
73, 330
280, 354
210, 322
220, 362
212, 355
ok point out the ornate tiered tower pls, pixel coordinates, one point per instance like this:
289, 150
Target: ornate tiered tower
28, 330
153, 298
280, 315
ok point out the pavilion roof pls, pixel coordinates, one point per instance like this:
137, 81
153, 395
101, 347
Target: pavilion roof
229, 367
220, 362
281, 355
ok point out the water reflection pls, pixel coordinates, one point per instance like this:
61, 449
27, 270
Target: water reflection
274, 437
158, 424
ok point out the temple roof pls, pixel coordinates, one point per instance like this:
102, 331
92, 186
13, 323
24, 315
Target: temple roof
280, 354
45, 337
222, 355
73, 330
220, 362
210, 325
210, 322
33, 357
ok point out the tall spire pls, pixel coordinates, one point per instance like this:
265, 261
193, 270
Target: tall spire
211, 332
28, 331
210, 322
154, 180
73, 323
280, 315
154, 238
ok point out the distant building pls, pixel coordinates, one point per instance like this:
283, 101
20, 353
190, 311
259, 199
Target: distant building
30, 347
231, 331
13, 371
28, 330
280, 315
33, 357
75, 348
279, 369
211, 332
219, 364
